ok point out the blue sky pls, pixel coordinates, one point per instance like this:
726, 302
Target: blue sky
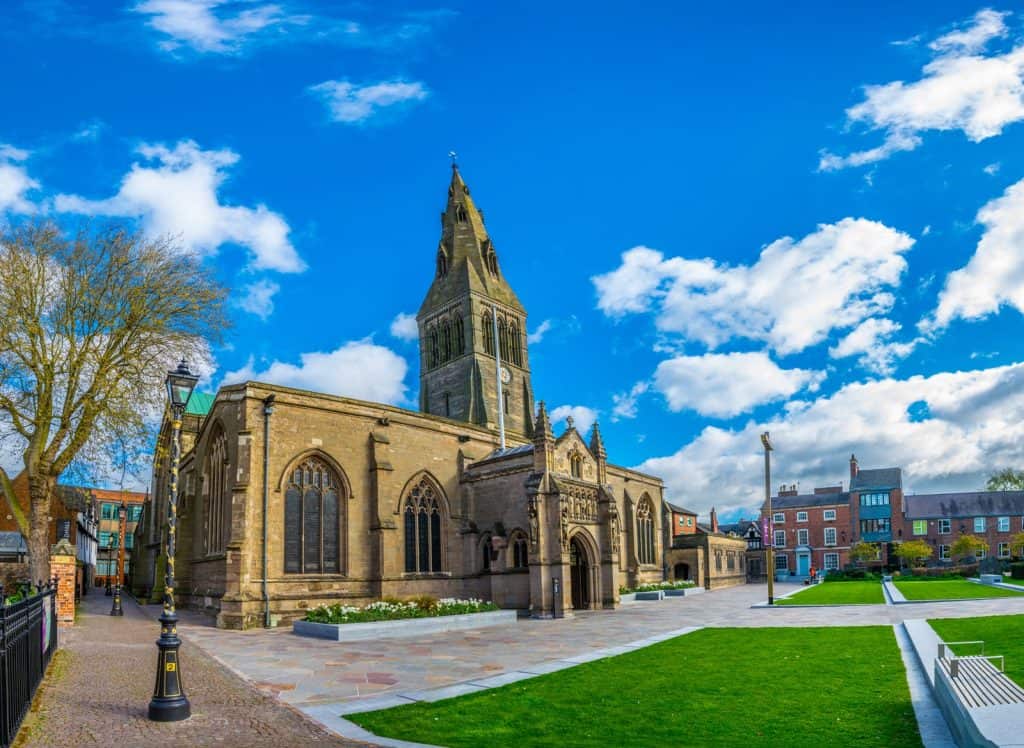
720, 221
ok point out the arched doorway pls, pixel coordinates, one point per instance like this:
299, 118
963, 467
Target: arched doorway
681, 572
579, 575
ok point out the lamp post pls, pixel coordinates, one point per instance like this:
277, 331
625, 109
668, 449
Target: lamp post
169, 703
770, 560
116, 609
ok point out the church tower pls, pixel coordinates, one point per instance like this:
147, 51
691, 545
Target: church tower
458, 345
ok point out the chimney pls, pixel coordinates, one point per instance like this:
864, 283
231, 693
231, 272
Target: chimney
854, 469
714, 520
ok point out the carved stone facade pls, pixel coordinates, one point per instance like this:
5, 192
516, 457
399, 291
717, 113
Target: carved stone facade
366, 500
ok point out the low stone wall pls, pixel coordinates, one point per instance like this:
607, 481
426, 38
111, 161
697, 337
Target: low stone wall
406, 627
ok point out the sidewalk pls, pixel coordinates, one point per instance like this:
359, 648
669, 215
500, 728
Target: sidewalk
99, 687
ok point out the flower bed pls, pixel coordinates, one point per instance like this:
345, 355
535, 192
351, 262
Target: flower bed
394, 610
658, 586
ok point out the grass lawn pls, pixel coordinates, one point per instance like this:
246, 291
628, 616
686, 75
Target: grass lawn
1003, 635
949, 589
742, 686
837, 593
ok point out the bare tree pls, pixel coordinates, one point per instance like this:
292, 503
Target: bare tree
89, 325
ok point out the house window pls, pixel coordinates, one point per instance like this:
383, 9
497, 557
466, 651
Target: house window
920, 527
874, 499
730, 562
520, 558
422, 529
979, 524
1004, 550
944, 552
689, 521
801, 516
312, 522
875, 525
830, 536
129, 541
829, 515
801, 537
945, 526
1004, 524
780, 538
779, 518
107, 511
980, 554
645, 530
134, 512
831, 561
782, 562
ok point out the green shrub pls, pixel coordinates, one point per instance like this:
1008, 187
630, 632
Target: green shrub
852, 574
390, 609
677, 585
1017, 570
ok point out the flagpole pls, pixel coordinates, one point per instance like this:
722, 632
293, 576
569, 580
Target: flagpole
497, 375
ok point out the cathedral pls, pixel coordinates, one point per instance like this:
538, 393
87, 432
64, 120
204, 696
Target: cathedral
293, 499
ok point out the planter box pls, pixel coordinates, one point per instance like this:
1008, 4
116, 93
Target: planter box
686, 591
991, 578
652, 595
354, 632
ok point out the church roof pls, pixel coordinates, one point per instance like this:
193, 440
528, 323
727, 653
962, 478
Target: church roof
522, 449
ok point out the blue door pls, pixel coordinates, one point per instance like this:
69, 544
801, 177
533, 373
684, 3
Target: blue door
803, 564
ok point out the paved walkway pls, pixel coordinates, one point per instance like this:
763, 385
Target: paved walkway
99, 688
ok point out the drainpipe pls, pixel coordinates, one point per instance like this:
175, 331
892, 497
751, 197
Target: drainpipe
268, 408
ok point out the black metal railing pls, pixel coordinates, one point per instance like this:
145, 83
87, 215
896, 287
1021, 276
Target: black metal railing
28, 638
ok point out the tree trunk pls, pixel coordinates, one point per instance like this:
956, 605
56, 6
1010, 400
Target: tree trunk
42, 489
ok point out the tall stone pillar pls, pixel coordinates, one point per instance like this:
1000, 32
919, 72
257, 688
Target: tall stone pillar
62, 566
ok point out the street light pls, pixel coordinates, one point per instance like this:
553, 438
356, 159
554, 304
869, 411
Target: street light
770, 560
116, 609
169, 703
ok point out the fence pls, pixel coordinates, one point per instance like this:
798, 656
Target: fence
28, 638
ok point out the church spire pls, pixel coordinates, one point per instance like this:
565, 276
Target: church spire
597, 443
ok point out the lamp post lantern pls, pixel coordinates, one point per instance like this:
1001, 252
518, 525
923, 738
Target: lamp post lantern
169, 703
116, 609
770, 545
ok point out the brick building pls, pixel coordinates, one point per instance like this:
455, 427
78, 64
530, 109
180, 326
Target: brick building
365, 500
939, 519
810, 530
115, 561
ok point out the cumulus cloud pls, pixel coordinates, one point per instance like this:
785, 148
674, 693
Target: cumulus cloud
582, 416
15, 183
994, 276
974, 424
871, 339
259, 298
358, 369
726, 385
354, 104
624, 404
174, 191
404, 327
538, 335
961, 88
213, 26
796, 293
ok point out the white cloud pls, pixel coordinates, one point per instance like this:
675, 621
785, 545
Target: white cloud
871, 340
791, 298
259, 298
358, 369
975, 424
175, 192
538, 335
960, 89
583, 417
353, 104
624, 404
726, 385
992, 169
15, 183
994, 276
404, 327
212, 26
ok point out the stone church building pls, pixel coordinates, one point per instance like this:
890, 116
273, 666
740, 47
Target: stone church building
342, 500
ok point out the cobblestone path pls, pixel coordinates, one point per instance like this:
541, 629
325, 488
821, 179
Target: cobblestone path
99, 688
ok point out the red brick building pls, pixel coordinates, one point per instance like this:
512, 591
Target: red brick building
939, 519
810, 530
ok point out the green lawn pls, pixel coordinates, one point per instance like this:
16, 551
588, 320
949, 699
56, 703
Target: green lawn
949, 589
1003, 635
837, 593
767, 686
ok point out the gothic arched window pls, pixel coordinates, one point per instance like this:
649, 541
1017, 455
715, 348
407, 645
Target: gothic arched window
520, 557
435, 350
422, 510
442, 263
312, 520
516, 344
503, 338
645, 530
488, 329
459, 335
218, 505
491, 260
485, 553
460, 214
576, 465
446, 341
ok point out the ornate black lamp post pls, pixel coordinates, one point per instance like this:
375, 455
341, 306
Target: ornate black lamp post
116, 609
169, 703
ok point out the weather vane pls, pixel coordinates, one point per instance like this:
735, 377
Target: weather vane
455, 158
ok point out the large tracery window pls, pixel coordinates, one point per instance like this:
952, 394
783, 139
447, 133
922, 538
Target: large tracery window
645, 531
488, 329
459, 333
515, 343
217, 494
446, 341
422, 510
503, 339
520, 556
312, 520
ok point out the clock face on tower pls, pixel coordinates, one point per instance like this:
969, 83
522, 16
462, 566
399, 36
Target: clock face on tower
506, 376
